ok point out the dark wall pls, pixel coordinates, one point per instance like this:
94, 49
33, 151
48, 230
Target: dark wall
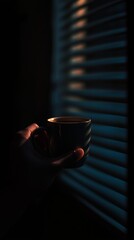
25, 61
25, 69
35, 59
25, 74
130, 121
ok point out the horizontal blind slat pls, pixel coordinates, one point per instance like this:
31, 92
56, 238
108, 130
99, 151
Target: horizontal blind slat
105, 119
92, 37
116, 145
113, 4
63, 4
107, 218
109, 155
93, 63
101, 47
70, 31
97, 106
111, 209
108, 180
119, 76
103, 94
111, 195
107, 167
112, 132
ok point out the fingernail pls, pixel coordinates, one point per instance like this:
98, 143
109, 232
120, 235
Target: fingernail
79, 153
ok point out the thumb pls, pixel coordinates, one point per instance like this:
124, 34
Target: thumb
70, 159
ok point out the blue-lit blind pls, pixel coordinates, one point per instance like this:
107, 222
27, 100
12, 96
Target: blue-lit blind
90, 80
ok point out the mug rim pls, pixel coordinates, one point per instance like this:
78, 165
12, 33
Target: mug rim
78, 120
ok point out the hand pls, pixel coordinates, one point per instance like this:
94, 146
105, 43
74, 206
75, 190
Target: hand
31, 170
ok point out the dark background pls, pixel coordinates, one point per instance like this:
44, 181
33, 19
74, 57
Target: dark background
25, 72
25, 91
26, 47
25, 52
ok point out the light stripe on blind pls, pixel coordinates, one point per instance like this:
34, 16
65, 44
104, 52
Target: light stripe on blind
90, 80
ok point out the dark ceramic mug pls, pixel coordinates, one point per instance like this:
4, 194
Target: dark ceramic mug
65, 134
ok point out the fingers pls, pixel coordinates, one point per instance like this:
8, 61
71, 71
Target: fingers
23, 135
30, 129
69, 159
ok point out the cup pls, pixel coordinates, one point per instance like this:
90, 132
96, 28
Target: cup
67, 133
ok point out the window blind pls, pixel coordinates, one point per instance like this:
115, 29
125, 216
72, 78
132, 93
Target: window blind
90, 80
